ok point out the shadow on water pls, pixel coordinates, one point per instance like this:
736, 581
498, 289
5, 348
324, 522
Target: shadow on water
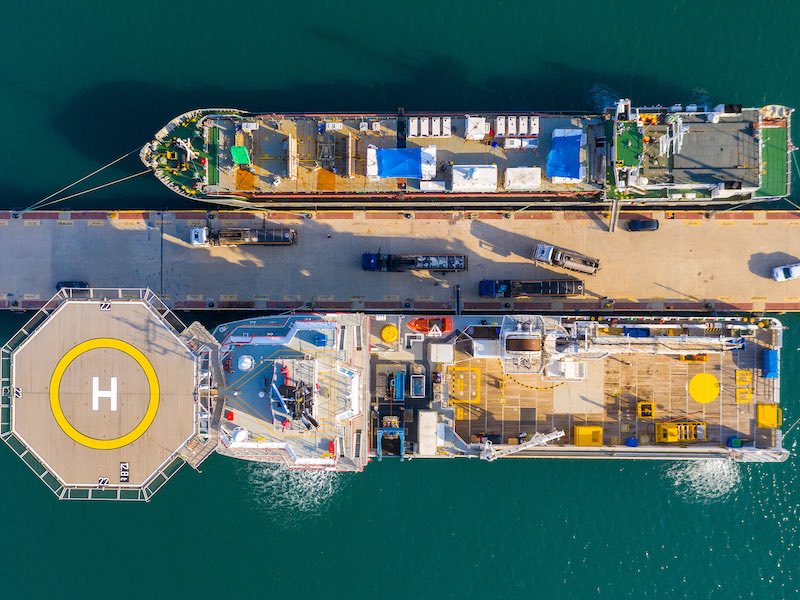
109, 119
141, 193
106, 120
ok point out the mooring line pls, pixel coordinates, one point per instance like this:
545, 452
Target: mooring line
41, 202
94, 189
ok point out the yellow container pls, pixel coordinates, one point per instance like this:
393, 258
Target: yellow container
588, 435
768, 416
744, 377
694, 358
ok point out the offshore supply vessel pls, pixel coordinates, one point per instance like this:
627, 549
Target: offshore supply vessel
687, 154
106, 393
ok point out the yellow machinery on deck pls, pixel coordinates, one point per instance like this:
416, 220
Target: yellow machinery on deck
645, 409
588, 435
681, 432
768, 416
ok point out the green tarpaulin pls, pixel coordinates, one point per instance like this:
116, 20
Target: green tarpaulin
240, 155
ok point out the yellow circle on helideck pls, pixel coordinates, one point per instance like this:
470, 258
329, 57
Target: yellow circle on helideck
704, 388
152, 406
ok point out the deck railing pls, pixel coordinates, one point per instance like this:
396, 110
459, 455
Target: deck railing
42, 470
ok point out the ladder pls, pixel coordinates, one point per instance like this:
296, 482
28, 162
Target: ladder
489, 453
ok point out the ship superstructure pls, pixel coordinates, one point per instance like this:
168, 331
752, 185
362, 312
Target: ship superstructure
676, 153
295, 391
690, 153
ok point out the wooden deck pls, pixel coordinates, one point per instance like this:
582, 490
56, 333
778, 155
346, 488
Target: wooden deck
490, 402
153, 372
321, 156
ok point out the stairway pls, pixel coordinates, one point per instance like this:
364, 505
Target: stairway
202, 445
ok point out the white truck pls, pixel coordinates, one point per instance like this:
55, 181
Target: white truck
566, 259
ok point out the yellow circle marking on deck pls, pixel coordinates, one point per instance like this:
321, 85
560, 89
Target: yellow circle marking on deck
389, 334
152, 406
704, 388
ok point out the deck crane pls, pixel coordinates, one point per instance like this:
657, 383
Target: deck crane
489, 453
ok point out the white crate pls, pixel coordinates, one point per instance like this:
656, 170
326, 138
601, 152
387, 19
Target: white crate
499, 126
413, 127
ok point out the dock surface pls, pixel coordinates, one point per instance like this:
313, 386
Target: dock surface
692, 263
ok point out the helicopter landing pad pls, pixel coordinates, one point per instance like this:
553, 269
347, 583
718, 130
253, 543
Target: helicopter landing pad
104, 393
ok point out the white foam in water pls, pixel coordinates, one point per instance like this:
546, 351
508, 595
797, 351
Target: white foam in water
293, 493
704, 480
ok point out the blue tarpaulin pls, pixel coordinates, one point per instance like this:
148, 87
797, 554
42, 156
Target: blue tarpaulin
400, 162
769, 363
564, 158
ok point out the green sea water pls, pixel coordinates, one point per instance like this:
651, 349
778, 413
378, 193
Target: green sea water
86, 82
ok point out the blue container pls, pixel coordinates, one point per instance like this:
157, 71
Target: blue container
400, 386
769, 364
733, 441
320, 340
637, 332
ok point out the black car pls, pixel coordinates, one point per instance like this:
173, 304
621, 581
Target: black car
72, 284
642, 225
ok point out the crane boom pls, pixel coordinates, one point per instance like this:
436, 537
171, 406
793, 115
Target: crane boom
489, 453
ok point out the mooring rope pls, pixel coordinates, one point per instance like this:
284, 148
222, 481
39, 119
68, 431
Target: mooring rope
94, 189
41, 202
792, 427
797, 170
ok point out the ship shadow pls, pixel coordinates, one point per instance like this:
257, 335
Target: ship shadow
108, 119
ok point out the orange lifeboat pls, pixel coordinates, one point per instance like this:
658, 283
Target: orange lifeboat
427, 324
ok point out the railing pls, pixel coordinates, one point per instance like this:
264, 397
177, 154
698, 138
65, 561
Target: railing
77, 492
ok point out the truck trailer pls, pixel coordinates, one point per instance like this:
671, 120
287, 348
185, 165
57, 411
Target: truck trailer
505, 288
230, 236
566, 259
374, 261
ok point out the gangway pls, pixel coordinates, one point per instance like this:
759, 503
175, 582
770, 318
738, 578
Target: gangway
615, 209
489, 453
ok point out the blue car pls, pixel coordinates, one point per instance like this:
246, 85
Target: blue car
642, 225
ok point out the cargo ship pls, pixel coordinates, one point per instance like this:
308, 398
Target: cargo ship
681, 154
107, 394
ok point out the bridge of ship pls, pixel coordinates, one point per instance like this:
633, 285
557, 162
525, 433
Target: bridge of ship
264, 357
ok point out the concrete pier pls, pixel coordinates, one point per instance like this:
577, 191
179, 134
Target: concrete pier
695, 262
